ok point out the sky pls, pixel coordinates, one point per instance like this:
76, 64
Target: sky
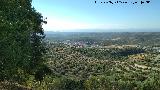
83, 15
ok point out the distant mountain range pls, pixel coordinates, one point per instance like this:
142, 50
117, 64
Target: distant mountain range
102, 30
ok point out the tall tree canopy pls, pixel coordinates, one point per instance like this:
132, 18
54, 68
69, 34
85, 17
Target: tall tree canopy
21, 39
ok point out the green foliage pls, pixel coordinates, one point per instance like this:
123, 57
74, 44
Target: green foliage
104, 71
23, 57
21, 40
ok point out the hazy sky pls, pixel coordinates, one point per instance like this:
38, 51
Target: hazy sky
70, 15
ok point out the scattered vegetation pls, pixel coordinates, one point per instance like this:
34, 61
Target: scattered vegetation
72, 61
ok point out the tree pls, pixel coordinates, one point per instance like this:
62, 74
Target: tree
21, 39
